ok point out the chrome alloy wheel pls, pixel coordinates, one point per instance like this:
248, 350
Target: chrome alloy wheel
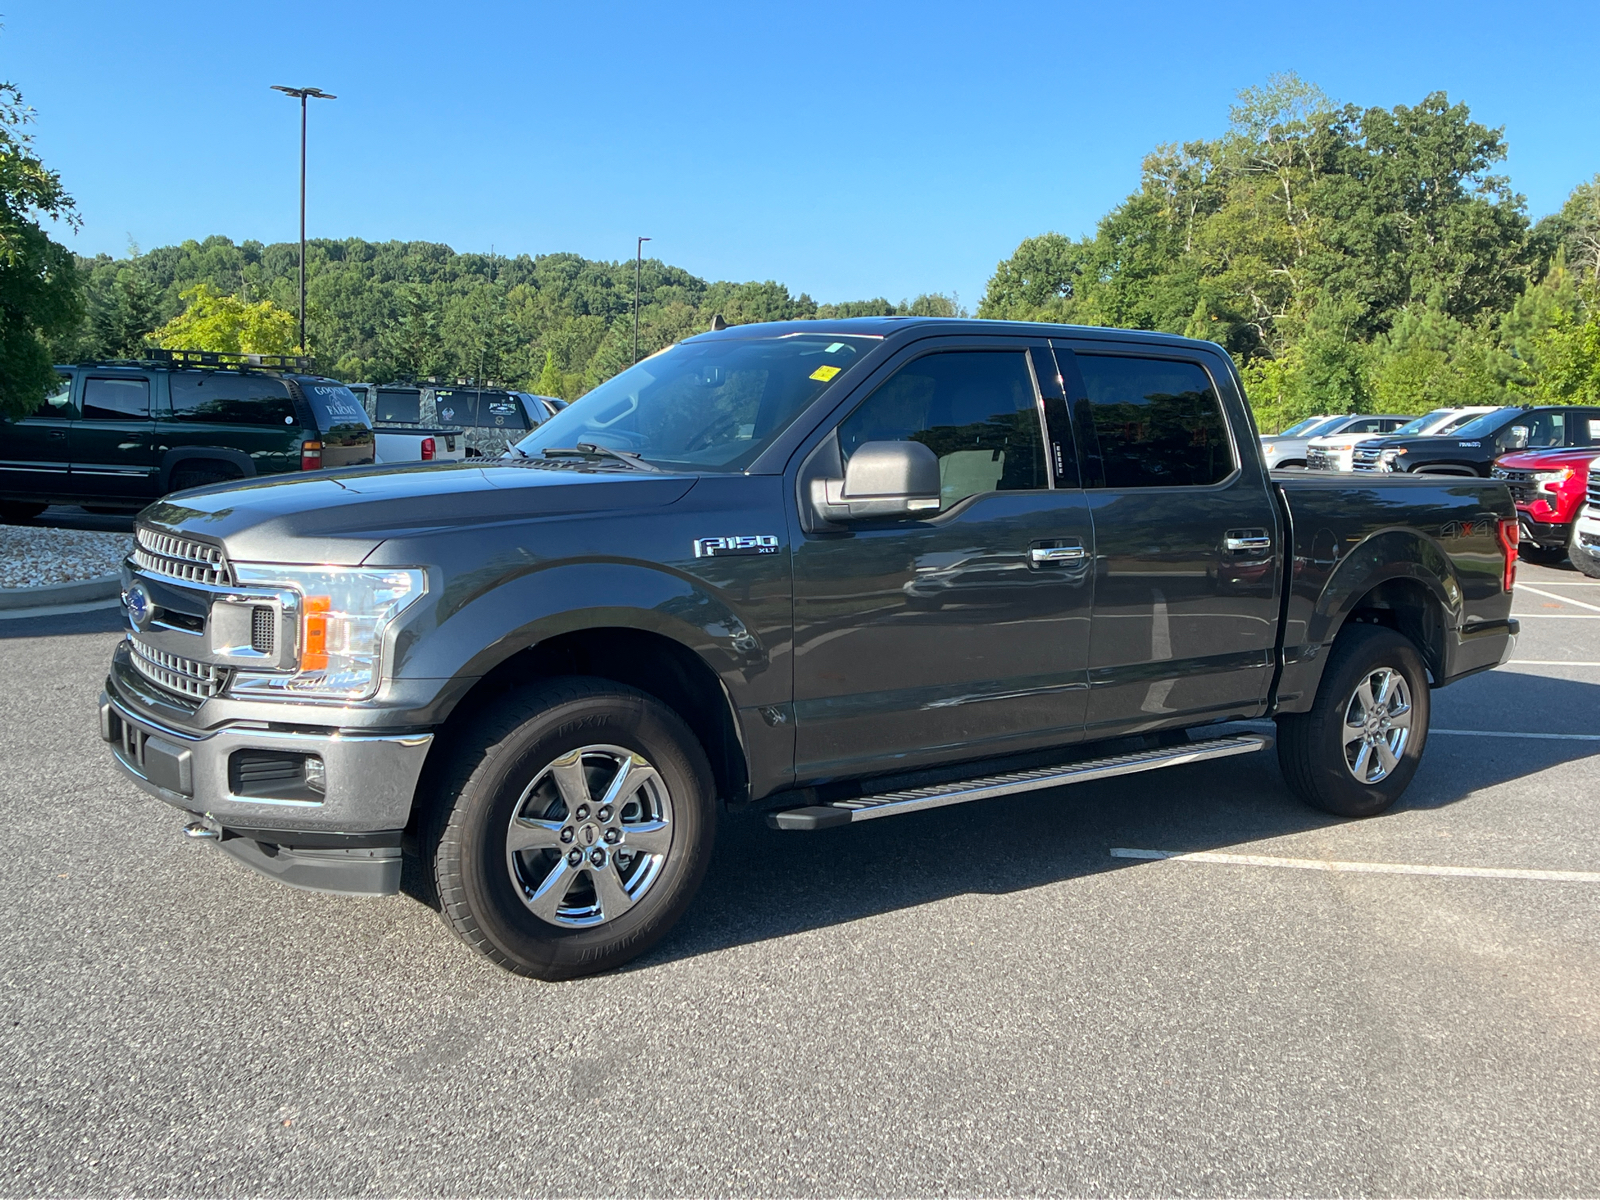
1377, 725
589, 836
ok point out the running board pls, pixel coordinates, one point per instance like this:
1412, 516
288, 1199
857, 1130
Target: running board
892, 804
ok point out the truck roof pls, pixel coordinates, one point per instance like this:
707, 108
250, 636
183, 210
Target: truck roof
885, 327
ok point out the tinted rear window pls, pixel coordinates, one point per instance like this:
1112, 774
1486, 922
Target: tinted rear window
1158, 422
225, 398
335, 406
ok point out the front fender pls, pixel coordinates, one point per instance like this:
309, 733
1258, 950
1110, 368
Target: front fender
475, 625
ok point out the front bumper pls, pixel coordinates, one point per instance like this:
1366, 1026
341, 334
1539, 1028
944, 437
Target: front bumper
1543, 533
345, 839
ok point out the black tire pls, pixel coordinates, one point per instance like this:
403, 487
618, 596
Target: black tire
1544, 556
195, 477
488, 780
1311, 745
19, 512
1584, 559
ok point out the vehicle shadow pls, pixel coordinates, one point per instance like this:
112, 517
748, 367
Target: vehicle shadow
766, 884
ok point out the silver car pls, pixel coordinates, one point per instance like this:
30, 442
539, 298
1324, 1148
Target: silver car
1288, 449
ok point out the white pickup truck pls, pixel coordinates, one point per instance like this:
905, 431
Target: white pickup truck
399, 435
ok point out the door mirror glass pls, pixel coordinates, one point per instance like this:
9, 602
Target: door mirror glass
882, 479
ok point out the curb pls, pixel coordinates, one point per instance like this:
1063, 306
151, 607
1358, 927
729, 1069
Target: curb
53, 594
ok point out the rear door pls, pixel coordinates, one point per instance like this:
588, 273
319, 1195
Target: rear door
252, 415
1185, 534
113, 442
35, 451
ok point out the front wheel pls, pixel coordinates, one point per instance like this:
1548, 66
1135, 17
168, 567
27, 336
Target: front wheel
1355, 752
575, 830
1584, 558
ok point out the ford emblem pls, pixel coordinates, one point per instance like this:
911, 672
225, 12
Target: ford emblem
140, 609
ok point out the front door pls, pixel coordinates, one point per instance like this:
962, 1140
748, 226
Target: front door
1186, 554
35, 451
113, 456
965, 633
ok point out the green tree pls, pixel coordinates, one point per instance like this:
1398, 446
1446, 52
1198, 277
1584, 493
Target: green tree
40, 300
213, 321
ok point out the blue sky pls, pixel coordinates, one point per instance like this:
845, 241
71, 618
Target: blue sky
847, 150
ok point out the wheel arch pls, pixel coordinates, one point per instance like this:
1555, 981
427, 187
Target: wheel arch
183, 456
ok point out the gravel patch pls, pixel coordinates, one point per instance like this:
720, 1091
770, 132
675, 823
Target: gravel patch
33, 557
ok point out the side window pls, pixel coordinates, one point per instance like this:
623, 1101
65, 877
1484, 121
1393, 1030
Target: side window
58, 404
456, 408
1588, 423
224, 398
1158, 422
974, 409
1545, 429
116, 399
501, 412
402, 406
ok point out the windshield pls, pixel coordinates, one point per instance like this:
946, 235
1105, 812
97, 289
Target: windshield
1320, 426
703, 406
1300, 428
1486, 424
1422, 422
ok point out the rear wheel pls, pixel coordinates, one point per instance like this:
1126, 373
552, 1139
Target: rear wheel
1582, 557
1355, 752
19, 512
575, 830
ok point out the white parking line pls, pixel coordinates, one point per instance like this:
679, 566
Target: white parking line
1563, 599
1502, 733
1549, 662
1524, 616
1362, 868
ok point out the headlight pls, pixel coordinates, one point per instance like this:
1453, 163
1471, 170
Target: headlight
343, 613
1550, 481
1390, 457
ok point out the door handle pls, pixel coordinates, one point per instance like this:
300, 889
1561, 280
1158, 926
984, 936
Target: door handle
1054, 556
58, 433
1247, 539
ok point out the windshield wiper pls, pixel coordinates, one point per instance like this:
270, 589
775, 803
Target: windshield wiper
591, 450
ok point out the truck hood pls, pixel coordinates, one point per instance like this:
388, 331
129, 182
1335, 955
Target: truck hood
340, 517
1548, 460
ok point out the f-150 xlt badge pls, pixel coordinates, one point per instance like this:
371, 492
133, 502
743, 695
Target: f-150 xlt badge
721, 547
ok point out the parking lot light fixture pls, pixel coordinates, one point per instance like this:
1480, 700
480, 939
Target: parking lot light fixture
303, 94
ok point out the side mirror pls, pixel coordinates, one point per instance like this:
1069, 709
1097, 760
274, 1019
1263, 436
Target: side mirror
1517, 437
883, 479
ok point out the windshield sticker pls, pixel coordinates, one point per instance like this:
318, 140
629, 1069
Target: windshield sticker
835, 348
824, 373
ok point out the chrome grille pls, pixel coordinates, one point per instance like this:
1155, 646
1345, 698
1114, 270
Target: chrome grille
1366, 460
181, 676
1521, 483
181, 558
1594, 490
1318, 459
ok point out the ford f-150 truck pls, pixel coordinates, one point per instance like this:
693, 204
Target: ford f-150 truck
833, 571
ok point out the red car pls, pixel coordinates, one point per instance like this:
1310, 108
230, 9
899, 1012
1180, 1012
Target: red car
1548, 487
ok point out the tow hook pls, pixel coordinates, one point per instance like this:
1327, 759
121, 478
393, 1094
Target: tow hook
202, 830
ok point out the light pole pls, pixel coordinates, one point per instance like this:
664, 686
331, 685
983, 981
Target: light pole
638, 266
303, 94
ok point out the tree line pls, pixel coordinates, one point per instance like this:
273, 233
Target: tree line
1350, 259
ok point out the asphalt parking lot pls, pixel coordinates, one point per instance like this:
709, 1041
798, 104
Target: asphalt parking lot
971, 1000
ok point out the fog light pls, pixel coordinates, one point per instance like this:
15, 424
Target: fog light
316, 774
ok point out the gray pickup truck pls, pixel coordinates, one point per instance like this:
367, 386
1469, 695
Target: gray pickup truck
831, 571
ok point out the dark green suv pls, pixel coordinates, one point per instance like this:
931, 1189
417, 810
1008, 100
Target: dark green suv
118, 435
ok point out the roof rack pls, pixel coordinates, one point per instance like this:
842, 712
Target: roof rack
228, 359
